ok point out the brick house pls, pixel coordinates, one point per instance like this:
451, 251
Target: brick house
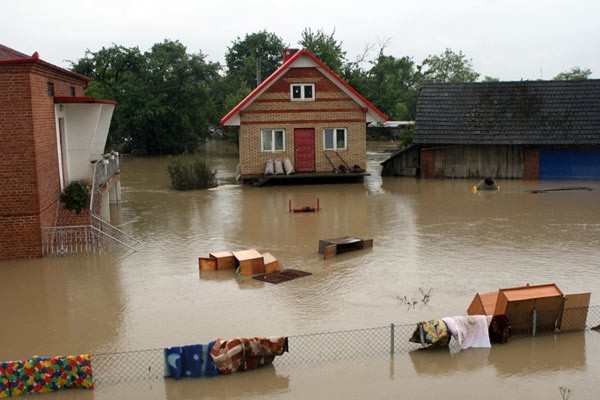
306, 113
528, 130
50, 134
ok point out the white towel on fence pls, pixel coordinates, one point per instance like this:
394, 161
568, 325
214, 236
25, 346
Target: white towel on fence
469, 331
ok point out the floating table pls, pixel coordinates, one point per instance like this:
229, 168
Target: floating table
331, 247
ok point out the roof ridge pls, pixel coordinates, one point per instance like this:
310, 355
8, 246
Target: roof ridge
7, 53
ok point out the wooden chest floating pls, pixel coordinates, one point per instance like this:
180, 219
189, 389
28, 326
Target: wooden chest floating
251, 262
531, 309
331, 247
217, 261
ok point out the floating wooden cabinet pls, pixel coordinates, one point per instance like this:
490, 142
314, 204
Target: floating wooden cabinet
532, 309
271, 263
225, 260
483, 304
575, 310
251, 262
207, 264
519, 304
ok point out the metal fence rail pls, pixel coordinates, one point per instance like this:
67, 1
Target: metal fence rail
63, 240
104, 169
315, 348
97, 237
80, 239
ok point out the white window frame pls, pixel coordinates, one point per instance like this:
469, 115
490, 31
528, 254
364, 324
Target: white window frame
303, 87
335, 131
272, 133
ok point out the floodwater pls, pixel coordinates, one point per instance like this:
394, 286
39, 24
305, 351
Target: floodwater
428, 235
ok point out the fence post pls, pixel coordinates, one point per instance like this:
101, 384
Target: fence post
533, 322
392, 338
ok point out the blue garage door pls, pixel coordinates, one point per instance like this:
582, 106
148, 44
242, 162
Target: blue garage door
570, 164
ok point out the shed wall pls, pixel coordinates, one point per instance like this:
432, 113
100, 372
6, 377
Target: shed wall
472, 162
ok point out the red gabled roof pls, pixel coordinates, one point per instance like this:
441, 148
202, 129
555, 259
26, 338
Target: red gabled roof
82, 100
283, 69
11, 56
6, 53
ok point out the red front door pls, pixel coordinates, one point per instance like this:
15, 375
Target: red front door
304, 148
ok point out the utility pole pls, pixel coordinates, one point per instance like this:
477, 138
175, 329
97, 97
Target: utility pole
258, 70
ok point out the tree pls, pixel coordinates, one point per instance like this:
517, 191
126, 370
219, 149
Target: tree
574, 74
165, 96
392, 86
241, 58
490, 79
448, 67
325, 47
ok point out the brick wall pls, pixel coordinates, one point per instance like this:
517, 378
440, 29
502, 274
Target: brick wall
30, 193
273, 109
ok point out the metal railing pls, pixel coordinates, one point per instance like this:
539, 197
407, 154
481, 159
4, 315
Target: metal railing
97, 237
63, 240
113, 233
104, 170
325, 347
79, 239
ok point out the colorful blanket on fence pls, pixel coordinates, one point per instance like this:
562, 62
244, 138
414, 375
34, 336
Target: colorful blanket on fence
45, 374
189, 361
241, 354
431, 332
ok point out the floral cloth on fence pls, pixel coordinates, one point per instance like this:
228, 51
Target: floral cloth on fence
430, 332
45, 374
240, 354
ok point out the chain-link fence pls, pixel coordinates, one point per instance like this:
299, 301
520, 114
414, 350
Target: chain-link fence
144, 365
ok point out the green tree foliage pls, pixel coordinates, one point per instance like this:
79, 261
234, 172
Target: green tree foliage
241, 57
190, 172
448, 67
490, 79
165, 96
574, 74
392, 86
325, 47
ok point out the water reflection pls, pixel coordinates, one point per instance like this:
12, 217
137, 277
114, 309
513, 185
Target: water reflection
426, 234
521, 356
61, 305
260, 383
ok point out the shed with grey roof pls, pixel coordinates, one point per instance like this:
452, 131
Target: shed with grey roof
529, 129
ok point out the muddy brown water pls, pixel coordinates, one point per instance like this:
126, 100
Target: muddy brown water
427, 234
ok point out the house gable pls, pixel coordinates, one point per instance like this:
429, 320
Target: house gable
509, 113
330, 104
302, 60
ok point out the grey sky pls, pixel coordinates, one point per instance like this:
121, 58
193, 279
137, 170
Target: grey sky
509, 40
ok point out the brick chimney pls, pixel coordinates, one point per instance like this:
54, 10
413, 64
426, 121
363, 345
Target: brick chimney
287, 53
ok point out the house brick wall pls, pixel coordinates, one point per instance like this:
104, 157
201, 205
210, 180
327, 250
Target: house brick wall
273, 109
30, 193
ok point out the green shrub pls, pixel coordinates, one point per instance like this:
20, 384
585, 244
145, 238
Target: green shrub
76, 196
189, 172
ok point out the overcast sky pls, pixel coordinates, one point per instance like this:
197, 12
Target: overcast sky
509, 39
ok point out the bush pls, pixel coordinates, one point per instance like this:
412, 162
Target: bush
189, 172
76, 196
